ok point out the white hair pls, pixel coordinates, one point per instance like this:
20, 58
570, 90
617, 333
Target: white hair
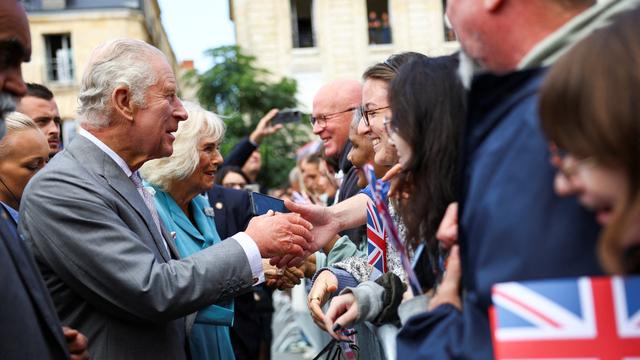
185, 158
120, 62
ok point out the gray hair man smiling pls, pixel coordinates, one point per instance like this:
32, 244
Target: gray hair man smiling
111, 267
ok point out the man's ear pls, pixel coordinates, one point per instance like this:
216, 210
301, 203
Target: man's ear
122, 102
492, 5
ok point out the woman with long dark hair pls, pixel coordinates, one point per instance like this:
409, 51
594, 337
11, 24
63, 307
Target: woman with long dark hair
428, 111
427, 119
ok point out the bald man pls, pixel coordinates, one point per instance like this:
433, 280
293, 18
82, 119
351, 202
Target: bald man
333, 109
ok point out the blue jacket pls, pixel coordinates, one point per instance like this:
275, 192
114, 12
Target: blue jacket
232, 209
209, 338
252, 318
512, 226
240, 153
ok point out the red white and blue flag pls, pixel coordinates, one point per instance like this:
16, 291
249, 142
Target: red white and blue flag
579, 318
379, 191
376, 239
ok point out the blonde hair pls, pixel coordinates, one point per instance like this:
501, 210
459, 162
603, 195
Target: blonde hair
15, 121
184, 160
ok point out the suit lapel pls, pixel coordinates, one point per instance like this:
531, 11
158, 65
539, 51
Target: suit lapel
104, 166
119, 181
30, 276
178, 217
173, 250
185, 224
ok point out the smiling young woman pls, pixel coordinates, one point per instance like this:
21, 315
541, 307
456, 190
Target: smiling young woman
426, 130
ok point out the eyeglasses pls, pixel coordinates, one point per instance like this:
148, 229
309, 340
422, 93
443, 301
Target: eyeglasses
367, 115
567, 167
387, 126
321, 120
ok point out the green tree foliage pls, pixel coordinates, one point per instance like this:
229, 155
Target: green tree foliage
238, 91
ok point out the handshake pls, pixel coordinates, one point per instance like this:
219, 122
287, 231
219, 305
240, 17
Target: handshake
288, 239
280, 235
282, 279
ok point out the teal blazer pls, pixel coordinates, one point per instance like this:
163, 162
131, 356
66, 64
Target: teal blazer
210, 333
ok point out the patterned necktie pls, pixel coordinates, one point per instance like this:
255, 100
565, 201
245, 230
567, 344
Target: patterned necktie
148, 200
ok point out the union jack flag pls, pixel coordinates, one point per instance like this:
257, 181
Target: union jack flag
579, 318
376, 239
379, 191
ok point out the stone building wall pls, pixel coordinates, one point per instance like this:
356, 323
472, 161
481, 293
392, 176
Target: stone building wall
342, 49
88, 28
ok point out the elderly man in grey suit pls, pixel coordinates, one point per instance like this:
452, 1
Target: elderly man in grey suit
111, 268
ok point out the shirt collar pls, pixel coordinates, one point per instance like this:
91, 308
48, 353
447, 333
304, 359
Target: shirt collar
15, 215
107, 150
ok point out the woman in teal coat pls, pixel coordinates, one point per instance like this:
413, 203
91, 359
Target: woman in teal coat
176, 183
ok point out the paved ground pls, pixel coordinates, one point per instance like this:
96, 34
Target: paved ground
294, 331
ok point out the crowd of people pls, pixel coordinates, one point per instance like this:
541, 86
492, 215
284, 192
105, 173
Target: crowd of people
515, 159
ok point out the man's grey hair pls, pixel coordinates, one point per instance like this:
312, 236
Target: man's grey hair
120, 62
186, 156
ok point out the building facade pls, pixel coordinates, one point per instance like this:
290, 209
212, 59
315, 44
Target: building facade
64, 32
314, 41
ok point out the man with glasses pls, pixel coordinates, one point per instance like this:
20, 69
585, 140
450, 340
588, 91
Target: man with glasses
334, 106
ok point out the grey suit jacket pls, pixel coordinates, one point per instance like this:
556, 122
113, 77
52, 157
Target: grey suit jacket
105, 264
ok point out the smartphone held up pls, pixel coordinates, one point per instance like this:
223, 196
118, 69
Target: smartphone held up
287, 116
